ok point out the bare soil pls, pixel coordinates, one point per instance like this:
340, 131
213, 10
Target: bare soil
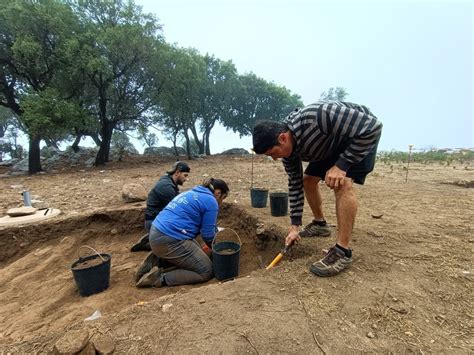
410, 288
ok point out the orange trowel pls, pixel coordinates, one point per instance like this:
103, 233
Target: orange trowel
278, 257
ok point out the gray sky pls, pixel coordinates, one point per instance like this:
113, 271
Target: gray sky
409, 61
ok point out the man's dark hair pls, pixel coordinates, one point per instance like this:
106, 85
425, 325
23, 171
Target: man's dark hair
265, 135
219, 184
179, 166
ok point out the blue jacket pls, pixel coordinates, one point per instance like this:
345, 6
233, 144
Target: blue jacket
188, 214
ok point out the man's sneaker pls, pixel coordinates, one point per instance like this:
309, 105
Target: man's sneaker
147, 264
151, 278
142, 245
315, 229
332, 264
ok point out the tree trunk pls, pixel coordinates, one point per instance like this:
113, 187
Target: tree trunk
75, 144
2, 134
104, 150
207, 133
51, 143
188, 145
206, 142
34, 158
96, 139
196, 138
175, 138
106, 130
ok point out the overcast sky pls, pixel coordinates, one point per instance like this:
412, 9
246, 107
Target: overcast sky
411, 62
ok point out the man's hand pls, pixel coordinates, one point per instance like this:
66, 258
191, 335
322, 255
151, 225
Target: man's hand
335, 177
207, 250
293, 236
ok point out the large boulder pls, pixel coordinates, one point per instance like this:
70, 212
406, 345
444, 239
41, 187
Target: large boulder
70, 158
235, 151
72, 342
84, 154
133, 192
117, 152
103, 344
21, 166
9, 162
21, 211
48, 152
163, 151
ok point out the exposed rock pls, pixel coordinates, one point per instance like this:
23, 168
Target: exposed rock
9, 162
72, 342
69, 158
89, 349
163, 151
263, 235
21, 166
117, 151
133, 192
90, 162
104, 344
235, 151
48, 152
40, 205
82, 155
21, 211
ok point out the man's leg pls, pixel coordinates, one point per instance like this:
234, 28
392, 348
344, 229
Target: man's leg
143, 243
192, 265
346, 210
313, 195
318, 227
339, 256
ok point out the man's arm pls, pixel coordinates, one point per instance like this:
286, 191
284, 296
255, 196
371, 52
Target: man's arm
209, 219
294, 170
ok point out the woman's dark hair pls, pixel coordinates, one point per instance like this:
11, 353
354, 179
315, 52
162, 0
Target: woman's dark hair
218, 184
265, 135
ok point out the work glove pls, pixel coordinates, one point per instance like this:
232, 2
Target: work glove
207, 250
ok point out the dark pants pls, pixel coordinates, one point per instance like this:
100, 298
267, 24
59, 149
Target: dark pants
148, 223
194, 266
357, 172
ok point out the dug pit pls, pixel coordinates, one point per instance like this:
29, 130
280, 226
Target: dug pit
39, 297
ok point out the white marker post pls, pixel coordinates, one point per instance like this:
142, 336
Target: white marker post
410, 147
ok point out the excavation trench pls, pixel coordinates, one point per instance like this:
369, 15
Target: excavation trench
38, 296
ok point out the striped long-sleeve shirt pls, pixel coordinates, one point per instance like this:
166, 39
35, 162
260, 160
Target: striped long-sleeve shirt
320, 129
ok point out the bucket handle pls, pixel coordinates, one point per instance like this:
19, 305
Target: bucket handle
86, 246
215, 237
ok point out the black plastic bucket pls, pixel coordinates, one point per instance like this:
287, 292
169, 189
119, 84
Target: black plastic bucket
92, 273
279, 203
258, 197
226, 257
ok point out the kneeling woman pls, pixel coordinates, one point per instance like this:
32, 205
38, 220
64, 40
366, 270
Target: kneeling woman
173, 235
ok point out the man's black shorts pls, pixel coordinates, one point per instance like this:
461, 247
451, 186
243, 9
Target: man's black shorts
357, 172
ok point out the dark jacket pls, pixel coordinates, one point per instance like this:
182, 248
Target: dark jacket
160, 195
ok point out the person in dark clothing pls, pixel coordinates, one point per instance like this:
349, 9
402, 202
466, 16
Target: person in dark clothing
165, 189
339, 140
173, 236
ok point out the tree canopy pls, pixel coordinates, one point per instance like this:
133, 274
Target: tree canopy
70, 69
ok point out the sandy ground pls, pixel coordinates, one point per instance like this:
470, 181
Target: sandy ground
410, 288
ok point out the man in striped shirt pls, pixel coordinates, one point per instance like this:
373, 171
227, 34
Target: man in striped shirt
339, 140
